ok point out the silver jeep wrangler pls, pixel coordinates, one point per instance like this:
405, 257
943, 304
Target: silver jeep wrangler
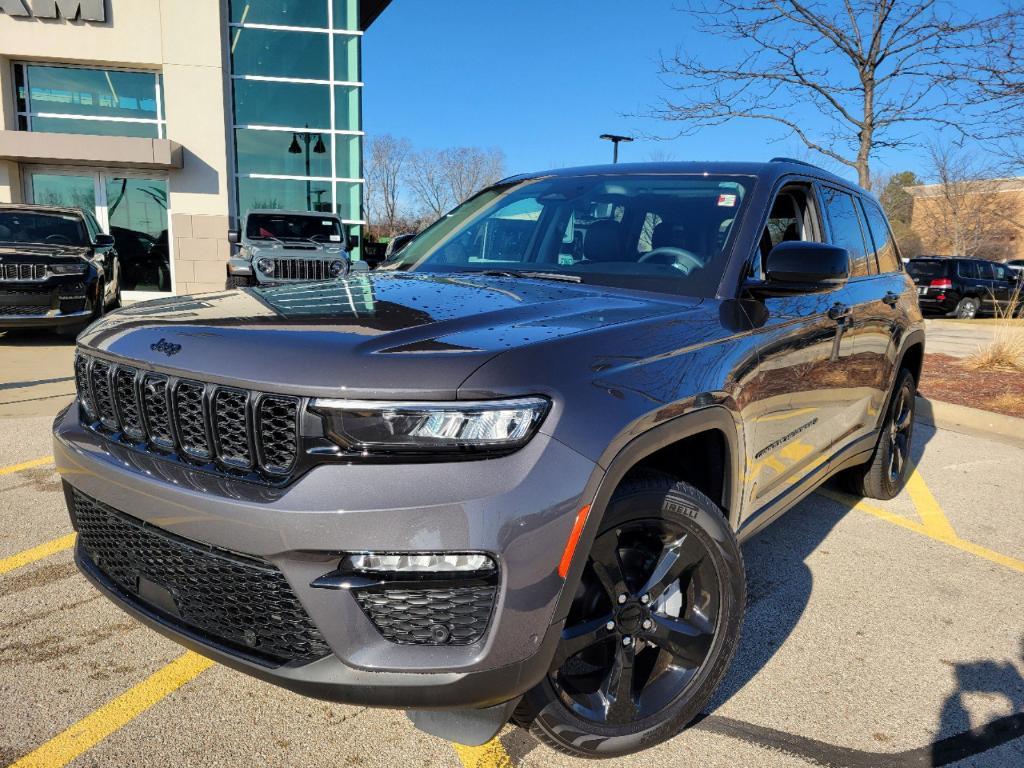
288, 246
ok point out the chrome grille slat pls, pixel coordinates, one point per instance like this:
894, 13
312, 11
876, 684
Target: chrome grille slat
21, 271
238, 431
300, 269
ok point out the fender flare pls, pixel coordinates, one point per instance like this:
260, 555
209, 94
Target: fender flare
603, 483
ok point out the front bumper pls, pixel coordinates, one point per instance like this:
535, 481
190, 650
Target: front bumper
520, 508
53, 302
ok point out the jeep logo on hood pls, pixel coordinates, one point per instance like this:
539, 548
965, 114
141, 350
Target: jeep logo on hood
166, 347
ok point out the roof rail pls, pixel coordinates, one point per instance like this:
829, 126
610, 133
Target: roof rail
794, 160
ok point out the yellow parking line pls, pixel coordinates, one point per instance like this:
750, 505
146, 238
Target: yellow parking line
928, 508
490, 755
26, 465
939, 532
37, 553
96, 726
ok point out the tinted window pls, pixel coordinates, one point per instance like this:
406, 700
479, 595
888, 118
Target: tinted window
881, 235
1001, 272
846, 229
269, 226
664, 233
33, 227
926, 269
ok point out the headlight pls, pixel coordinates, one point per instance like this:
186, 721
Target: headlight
77, 268
445, 427
266, 266
337, 267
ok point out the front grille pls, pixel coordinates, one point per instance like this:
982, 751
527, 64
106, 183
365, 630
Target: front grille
230, 429
188, 399
300, 269
23, 310
449, 615
241, 603
22, 271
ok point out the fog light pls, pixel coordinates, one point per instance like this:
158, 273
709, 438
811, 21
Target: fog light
418, 562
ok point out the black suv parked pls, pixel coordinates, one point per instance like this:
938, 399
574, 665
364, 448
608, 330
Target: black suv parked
57, 268
963, 288
508, 474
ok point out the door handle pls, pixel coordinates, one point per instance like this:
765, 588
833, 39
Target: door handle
839, 312
891, 298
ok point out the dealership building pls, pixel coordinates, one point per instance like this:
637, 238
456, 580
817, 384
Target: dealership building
170, 118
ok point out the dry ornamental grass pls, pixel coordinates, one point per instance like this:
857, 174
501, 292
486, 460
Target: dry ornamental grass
1006, 351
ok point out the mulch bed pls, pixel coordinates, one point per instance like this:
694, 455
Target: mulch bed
946, 378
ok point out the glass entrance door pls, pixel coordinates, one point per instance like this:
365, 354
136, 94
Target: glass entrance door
136, 215
131, 207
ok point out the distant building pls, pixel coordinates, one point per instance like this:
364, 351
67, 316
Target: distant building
169, 118
971, 218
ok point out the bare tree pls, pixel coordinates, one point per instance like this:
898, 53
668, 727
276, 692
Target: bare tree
440, 179
878, 70
966, 212
385, 172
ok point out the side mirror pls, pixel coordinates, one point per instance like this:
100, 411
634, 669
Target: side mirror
103, 240
353, 242
234, 236
796, 265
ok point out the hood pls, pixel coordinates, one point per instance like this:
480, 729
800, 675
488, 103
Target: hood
383, 335
40, 252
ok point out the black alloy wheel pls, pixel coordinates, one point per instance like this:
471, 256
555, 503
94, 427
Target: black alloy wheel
643, 626
901, 429
653, 626
885, 474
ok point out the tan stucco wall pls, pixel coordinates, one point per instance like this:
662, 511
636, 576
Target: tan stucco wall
183, 39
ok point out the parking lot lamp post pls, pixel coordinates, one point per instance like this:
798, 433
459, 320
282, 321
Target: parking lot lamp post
318, 148
615, 139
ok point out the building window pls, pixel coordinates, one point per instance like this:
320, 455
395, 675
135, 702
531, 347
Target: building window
296, 95
103, 102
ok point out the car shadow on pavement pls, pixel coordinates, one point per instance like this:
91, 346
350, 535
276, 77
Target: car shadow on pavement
35, 337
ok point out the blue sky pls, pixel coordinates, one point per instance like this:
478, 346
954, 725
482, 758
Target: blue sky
541, 79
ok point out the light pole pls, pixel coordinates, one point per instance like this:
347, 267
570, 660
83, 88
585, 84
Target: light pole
294, 148
615, 139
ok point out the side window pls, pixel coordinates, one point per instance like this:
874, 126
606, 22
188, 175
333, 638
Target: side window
792, 217
881, 235
1002, 272
846, 229
984, 270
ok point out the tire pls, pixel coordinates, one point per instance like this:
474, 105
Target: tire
884, 476
967, 309
652, 524
239, 281
115, 303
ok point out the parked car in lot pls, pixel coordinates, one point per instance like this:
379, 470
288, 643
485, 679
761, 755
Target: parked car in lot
507, 475
58, 269
961, 287
288, 246
1017, 265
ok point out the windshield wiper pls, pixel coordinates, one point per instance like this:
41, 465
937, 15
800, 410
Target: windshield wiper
559, 276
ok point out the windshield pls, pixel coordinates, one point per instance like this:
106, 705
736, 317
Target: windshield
652, 232
37, 227
273, 226
931, 268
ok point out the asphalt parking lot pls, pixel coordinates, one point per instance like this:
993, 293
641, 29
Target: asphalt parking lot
877, 634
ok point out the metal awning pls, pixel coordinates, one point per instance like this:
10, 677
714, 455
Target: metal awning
77, 149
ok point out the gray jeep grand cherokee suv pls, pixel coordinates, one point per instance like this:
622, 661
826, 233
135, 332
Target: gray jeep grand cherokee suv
508, 476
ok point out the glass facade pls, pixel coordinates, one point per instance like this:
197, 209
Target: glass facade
296, 97
105, 102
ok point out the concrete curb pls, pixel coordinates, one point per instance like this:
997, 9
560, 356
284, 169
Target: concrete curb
971, 421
